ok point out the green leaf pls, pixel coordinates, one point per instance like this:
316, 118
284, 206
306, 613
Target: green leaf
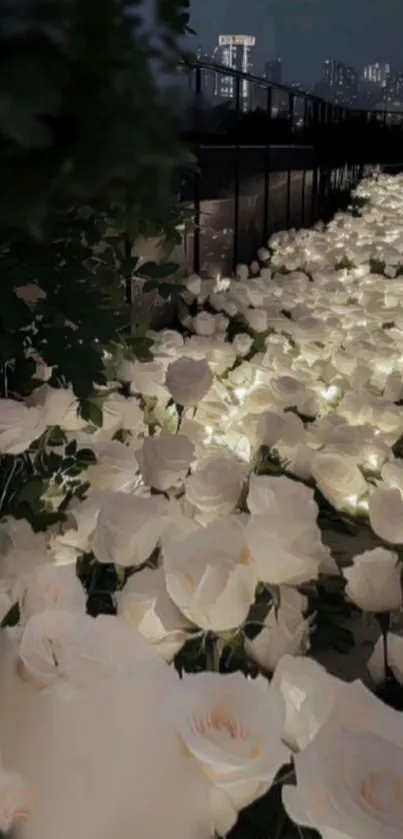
71, 448
56, 437
157, 271
12, 618
91, 412
31, 491
86, 456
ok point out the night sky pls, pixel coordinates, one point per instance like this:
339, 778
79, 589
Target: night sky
306, 31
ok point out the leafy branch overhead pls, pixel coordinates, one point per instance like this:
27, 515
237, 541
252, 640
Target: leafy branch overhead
83, 119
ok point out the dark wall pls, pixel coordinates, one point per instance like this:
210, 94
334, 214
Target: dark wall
242, 195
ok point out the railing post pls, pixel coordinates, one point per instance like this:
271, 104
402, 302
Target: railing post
304, 129
197, 185
236, 176
267, 160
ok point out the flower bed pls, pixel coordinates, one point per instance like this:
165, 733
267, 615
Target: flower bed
224, 512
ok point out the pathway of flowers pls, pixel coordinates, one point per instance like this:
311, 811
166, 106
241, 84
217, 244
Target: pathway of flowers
205, 546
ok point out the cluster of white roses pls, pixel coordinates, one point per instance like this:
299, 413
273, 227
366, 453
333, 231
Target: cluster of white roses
297, 360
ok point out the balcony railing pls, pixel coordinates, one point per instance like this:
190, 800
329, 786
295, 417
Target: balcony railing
251, 109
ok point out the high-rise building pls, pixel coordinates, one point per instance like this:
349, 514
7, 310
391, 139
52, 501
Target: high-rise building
376, 74
273, 70
339, 82
234, 51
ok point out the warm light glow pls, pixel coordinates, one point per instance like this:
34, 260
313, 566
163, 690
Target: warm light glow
241, 393
373, 460
330, 393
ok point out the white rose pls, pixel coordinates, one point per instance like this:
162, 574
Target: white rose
376, 663
356, 794
232, 727
119, 412
128, 529
257, 401
263, 254
285, 632
188, 380
21, 551
193, 284
273, 427
165, 459
386, 514
116, 468
338, 478
221, 323
204, 324
392, 474
279, 495
309, 693
60, 407
144, 603
242, 343
374, 581
49, 587
210, 577
81, 521
216, 484
57, 644
145, 377
285, 551
16, 799
287, 392
256, 319
19, 426
242, 271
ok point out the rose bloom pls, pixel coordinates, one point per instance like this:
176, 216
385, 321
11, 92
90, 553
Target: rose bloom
210, 576
204, 324
338, 478
309, 692
61, 645
285, 632
279, 495
21, 552
51, 586
188, 380
163, 460
386, 514
376, 663
285, 551
19, 426
121, 412
145, 603
16, 799
116, 468
80, 524
216, 484
358, 792
274, 427
232, 727
374, 581
128, 529
60, 407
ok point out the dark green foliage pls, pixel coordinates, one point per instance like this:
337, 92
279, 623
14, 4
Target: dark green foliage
82, 118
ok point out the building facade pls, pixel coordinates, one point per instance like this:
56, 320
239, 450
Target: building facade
234, 51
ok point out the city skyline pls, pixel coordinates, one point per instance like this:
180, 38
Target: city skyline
305, 32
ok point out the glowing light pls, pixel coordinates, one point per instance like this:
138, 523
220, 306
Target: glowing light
330, 393
384, 368
357, 503
240, 393
373, 460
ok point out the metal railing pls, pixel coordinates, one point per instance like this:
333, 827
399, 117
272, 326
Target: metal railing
224, 98
322, 151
